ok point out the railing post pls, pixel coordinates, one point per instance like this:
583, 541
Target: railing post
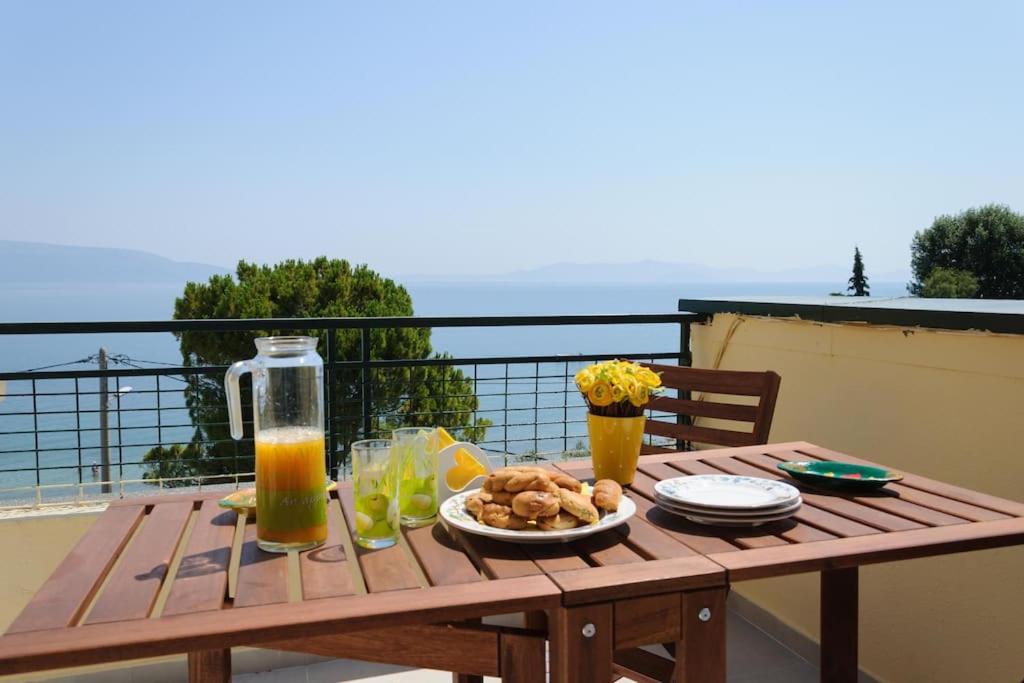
364, 370
332, 437
35, 432
104, 427
685, 360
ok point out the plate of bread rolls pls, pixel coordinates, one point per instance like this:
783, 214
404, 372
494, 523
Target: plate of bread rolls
527, 504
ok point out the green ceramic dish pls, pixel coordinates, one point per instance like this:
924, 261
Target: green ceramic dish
840, 475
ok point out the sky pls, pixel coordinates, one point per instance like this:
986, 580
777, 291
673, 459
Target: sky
487, 137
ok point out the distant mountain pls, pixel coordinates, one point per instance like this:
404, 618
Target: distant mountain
661, 272
24, 262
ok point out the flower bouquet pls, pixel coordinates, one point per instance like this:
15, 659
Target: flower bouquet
616, 392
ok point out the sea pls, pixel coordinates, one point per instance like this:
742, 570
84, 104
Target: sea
51, 441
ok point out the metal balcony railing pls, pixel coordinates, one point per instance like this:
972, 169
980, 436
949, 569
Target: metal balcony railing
80, 435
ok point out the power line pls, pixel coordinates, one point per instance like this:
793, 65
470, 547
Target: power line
80, 361
125, 360
152, 362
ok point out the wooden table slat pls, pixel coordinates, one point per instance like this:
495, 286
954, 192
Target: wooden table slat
440, 557
732, 452
325, 571
69, 589
496, 559
607, 548
652, 542
840, 527
618, 582
153, 500
755, 537
262, 576
385, 569
861, 550
942, 504
663, 470
201, 582
907, 509
555, 557
795, 530
703, 540
136, 581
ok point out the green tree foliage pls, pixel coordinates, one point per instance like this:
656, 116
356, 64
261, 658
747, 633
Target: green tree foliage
947, 283
858, 281
987, 242
436, 394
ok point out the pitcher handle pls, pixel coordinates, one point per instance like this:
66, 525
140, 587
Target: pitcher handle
235, 397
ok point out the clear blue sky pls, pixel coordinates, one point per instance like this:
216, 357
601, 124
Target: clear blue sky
494, 136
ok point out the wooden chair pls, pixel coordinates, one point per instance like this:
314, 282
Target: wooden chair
638, 664
764, 385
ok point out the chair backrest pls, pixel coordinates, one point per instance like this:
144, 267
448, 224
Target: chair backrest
764, 385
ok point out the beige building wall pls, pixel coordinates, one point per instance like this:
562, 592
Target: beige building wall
944, 404
35, 546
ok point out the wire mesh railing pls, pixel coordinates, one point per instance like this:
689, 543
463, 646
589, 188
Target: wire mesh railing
142, 426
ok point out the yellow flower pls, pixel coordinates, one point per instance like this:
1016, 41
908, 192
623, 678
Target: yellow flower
648, 377
628, 382
618, 393
585, 379
600, 394
638, 395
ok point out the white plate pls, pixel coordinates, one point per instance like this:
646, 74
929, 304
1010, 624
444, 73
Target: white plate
453, 513
733, 521
719, 512
726, 492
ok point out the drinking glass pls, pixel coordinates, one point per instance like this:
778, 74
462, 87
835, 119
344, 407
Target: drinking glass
376, 487
288, 429
416, 449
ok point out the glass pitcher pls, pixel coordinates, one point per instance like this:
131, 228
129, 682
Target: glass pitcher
288, 427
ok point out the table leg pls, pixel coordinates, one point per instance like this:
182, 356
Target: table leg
522, 658
580, 644
209, 666
535, 621
467, 678
839, 601
700, 650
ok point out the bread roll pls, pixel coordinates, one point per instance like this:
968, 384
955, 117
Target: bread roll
607, 494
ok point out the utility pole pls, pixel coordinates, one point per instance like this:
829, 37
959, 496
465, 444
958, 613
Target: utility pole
104, 433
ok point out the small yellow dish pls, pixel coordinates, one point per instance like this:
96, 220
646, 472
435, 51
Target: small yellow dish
466, 468
243, 501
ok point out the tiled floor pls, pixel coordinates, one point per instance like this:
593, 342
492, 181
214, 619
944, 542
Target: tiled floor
754, 657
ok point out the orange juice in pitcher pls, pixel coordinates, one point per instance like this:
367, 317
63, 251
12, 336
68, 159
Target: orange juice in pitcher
291, 505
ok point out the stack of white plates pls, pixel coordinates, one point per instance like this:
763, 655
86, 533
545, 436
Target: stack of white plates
727, 500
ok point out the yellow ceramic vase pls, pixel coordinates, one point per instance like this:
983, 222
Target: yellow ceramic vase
615, 445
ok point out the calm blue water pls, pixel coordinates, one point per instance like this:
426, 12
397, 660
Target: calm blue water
80, 436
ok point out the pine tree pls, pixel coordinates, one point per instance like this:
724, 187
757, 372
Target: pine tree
859, 281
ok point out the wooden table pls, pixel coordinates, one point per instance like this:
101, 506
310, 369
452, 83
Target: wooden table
176, 574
